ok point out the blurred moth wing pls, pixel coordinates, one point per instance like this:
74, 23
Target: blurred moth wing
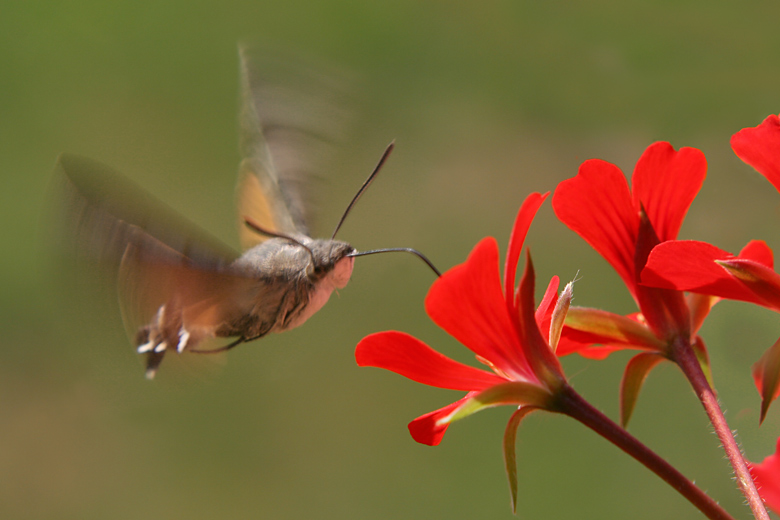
157, 257
178, 287
104, 212
168, 302
289, 117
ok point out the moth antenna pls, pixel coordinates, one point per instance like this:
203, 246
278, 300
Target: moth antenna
254, 226
401, 250
364, 187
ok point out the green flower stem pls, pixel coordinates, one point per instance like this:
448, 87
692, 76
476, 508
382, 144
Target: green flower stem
684, 356
572, 404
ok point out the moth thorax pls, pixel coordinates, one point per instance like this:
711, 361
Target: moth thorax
282, 257
331, 260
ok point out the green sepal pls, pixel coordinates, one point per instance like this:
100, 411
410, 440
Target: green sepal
633, 378
516, 393
760, 279
510, 460
700, 351
766, 374
613, 328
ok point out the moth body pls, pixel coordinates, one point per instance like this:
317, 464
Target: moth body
285, 284
177, 286
295, 282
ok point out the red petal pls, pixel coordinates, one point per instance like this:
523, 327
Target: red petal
689, 265
467, 301
665, 182
598, 353
596, 204
410, 357
568, 345
426, 428
760, 148
547, 305
767, 478
758, 251
523, 221
587, 349
538, 352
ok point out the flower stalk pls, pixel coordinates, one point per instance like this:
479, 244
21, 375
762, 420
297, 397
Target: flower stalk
689, 364
575, 406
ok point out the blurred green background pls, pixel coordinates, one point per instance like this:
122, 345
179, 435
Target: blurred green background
487, 102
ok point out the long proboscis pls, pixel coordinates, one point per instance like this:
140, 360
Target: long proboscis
364, 187
399, 250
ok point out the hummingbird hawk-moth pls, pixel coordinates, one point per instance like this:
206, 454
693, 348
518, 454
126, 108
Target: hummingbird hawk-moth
178, 287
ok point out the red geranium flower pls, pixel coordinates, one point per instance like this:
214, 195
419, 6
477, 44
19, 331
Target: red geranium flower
499, 326
699, 267
766, 475
623, 225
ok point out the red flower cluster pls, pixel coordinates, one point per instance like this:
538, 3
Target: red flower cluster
499, 326
635, 229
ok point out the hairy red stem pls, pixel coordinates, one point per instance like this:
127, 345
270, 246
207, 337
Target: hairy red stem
684, 356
